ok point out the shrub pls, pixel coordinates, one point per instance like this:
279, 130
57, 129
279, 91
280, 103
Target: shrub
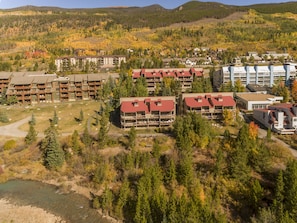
10, 144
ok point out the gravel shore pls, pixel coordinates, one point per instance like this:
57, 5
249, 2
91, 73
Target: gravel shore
23, 214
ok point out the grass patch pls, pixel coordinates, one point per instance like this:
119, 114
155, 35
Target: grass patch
67, 113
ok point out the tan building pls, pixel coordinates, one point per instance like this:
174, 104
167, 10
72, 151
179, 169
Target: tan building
35, 88
5, 78
146, 112
251, 101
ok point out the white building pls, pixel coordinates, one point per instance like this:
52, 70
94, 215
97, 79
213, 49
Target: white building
259, 75
251, 101
79, 63
281, 118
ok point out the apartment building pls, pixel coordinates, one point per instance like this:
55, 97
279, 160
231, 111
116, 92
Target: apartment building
146, 112
280, 118
257, 75
5, 78
94, 62
209, 105
35, 88
155, 77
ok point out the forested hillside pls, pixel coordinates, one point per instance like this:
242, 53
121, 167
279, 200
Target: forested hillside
195, 171
148, 31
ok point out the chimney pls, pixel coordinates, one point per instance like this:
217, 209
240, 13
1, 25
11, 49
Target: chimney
135, 103
199, 99
220, 97
159, 102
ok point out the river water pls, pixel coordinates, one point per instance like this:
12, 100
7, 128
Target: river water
72, 207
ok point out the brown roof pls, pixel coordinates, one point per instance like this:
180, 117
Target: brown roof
5, 75
255, 97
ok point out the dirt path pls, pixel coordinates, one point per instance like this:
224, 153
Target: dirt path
13, 128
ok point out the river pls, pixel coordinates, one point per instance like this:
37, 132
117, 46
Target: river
72, 207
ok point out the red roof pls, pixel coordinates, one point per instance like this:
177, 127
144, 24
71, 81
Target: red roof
134, 106
166, 73
162, 105
152, 74
207, 101
225, 101
147, 105
193, 102
136, 74
183, 73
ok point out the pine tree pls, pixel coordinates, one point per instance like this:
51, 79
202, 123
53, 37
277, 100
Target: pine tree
143, 209
55, 119
294, 90
31, 135
122, 198
256, 194
103, 130
239, 167
81, 115
52, 152
278, 202
290, 180
75, 142
132, 138
33, 120
86, 138
107, 200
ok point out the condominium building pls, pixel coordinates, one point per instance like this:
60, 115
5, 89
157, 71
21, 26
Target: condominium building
38, 87
5, 78
209, 105
257, 75
93, 62
280, 118
145, 112
155, 77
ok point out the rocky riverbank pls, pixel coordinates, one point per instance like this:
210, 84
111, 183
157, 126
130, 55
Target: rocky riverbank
10, 212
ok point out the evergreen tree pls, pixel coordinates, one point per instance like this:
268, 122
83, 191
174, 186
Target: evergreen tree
140, 89
132, 138
31, 135
278, 202
81, 115
3, 117
107, 201
290, 189
197, 85
103, 130
256, 194
239, 167
33, 120
75, 142
3, 97
294, 90
55, 119
52, 152
122, 198
86, 138
143, 209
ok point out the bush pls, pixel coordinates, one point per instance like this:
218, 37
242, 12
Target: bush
3, 117
10, 144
